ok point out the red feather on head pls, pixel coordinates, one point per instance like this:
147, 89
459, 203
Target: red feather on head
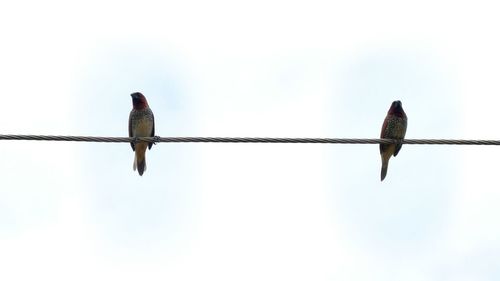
139, 101
396, 109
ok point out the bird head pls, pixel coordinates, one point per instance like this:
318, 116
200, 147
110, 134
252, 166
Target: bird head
397, 109
139, 100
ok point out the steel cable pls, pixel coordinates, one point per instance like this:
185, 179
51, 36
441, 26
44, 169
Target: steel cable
248, 140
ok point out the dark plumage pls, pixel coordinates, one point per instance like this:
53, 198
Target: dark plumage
394, 127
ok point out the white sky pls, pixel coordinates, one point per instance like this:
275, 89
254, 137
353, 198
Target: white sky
240, 211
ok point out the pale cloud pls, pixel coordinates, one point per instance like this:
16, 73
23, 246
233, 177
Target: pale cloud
235, 211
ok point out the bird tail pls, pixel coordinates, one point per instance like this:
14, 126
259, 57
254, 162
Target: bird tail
140, 159
385, 165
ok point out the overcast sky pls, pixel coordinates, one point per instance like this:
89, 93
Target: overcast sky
249, 211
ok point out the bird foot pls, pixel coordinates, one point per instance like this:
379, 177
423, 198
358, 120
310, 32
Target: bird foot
156, 139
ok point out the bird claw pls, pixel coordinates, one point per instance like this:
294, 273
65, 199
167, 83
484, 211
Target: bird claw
135, 140
156, 139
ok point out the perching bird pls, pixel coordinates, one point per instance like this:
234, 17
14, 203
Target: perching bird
394, 127
141, 123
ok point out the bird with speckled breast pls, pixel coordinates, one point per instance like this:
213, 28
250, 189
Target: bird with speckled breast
141, 123
394, 127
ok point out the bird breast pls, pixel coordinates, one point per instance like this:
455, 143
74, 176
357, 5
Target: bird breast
142, 123
396, 128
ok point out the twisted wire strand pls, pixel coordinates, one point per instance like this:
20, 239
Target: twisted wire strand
250, 140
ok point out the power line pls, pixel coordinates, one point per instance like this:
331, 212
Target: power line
250, 140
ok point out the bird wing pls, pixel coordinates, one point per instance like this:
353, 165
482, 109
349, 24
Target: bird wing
398, 148
152, 131
383, 147
130, 130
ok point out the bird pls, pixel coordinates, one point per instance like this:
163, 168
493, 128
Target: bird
394, 127
141, 123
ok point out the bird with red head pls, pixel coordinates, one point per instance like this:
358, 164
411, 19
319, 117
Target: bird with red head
141, 123
394, 127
